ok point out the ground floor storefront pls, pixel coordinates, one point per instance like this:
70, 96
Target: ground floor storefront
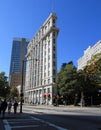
42, 95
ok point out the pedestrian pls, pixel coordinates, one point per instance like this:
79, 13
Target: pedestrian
3, 107
9, 106
15, 107
0, 105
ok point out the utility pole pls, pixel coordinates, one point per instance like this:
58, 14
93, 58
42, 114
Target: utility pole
21, 91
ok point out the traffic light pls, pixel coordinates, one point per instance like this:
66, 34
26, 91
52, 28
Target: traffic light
21, 94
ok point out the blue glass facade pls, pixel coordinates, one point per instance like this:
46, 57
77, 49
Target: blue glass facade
19, 50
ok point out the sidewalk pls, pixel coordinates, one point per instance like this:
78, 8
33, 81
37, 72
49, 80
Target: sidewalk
67, 108
10, 116
62, 107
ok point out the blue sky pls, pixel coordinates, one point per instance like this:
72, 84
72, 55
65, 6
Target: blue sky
79, 22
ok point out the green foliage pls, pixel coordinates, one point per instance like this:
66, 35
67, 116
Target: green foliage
86, 83
93, 70
71, 83
66, 80
4, 87
14, 93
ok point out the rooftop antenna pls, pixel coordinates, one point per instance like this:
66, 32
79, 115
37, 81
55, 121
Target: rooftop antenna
52, 5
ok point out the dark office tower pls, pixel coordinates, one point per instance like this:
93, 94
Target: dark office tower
19, 50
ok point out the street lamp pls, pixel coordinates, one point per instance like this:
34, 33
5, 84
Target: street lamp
21, 90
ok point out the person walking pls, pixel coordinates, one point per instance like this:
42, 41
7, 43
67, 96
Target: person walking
3, 107
15, 107
9, 106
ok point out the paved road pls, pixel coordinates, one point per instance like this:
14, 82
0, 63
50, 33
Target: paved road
29, 122
55, 118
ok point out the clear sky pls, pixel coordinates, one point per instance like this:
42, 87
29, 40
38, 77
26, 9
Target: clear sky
79, 22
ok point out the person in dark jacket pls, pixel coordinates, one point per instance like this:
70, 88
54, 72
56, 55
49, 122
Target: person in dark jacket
3, 107
0, 105
15, 107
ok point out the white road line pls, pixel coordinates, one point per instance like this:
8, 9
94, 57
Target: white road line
25, 126
22, 122
6, 125
50, 124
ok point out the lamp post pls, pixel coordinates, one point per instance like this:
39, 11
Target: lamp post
21, 91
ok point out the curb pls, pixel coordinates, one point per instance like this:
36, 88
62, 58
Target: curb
1, 125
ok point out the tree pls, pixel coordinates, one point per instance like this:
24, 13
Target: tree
93, 70
73, 85
4, 87
66, 82
91, 75
14, 93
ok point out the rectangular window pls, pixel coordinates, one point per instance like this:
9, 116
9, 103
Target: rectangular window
49, 43
48, 90
44, 74
48, 24
44, 90
48, 57
54, 63
44, 81
54, 41
48, 73
54, 72
48, 50
54, 80
53, 20
53, 55
48, 65
53, 34
54, 48
45, 59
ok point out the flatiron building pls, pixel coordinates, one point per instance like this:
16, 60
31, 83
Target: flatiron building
41, 64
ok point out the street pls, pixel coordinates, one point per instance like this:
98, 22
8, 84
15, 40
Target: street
55, 118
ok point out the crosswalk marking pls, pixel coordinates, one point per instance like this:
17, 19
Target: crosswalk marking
50, 124
6, 125
25, 126
11, 124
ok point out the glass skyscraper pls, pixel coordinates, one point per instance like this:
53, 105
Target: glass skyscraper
19, 50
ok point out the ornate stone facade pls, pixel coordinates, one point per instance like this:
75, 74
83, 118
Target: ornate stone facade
41, 64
